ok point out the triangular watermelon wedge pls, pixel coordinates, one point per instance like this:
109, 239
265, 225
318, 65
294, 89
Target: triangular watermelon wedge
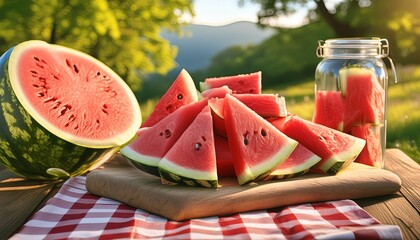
256, 145
152, 143
337, 149
180, 93
192, 160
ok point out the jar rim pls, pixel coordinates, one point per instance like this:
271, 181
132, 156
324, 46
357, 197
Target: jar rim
357, 41
368, 46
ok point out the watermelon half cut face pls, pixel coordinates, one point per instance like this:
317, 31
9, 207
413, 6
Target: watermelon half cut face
73, 95
62, 111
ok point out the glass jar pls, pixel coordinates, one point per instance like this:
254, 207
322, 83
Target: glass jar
351, 84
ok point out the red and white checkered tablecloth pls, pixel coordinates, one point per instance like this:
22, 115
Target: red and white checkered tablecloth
75, 214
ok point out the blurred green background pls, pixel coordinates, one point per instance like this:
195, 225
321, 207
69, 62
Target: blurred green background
127, 36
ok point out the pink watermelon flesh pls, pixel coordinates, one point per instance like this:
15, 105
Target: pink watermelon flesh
154, 142
256, 145
224, 160
193, 156
266, 105
243, 83
218, 92
216, 105
372, 152
329, 109
180, 93
59, 85
364, 97
298, 163
337, 149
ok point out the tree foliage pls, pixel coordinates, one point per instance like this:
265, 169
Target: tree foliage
398, 21
125, 35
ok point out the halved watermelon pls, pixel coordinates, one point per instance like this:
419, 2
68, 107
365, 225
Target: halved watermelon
372, 152
337, 149
62, 111
256, 145
298, 163
242, 83
152, 143
192, 160
180, 93
329, 109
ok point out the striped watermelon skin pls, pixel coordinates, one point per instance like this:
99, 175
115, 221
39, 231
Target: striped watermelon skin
30, 150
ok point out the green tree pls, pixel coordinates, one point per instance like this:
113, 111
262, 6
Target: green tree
399, 22
125, 35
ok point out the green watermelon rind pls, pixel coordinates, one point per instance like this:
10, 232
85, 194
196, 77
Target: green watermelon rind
116, 140
245, 177
167, 165
173, 179
176, 174
261, 169
203, 86
146, 163
344, 158
286, 176
296, 170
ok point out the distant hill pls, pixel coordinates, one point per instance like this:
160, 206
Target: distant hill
202, 42
197, 47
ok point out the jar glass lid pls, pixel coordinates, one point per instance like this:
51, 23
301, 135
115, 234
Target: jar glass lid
353, 47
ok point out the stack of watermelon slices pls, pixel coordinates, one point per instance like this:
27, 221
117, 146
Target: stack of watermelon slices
234, 130
357, 109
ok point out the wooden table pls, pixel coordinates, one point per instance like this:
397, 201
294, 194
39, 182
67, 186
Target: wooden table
20, 198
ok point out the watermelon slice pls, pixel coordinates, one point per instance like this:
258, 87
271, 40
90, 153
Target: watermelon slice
329, 109
218, 92
180, 93
337, 149
256, 145
192, 160
243, 83
278, 122
364, 96
372, 152
265, 105
224, 160
298, 163
152, 143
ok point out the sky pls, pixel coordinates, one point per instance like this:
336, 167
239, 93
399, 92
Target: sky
222, 12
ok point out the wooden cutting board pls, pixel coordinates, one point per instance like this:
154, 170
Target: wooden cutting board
141, 190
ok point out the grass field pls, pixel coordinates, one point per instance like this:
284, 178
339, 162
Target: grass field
403, 130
